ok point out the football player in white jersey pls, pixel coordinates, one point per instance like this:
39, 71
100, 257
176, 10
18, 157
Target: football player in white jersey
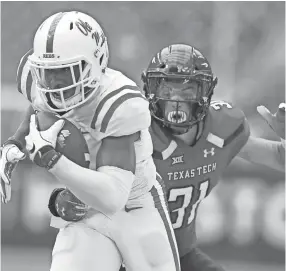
66, 73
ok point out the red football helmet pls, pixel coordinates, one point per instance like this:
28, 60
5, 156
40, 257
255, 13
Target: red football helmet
179, 84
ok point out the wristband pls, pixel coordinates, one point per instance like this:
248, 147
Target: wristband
47, 157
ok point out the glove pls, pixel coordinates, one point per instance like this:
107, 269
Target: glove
52, 201
63, 203
41, 144
276, 121
10, 156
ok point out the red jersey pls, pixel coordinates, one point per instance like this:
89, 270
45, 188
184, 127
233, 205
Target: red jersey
191, 172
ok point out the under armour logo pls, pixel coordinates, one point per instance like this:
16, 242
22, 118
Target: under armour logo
177, 160
179, 67
205, 100
206, 152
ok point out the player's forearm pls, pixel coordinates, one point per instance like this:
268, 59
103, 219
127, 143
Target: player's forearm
106, 190
19, 137
264, 152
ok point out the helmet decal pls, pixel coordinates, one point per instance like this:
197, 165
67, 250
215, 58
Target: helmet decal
86, 29
52, 30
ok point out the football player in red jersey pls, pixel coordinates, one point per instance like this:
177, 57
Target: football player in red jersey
195, 139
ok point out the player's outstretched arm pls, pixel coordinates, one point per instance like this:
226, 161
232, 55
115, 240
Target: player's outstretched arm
108, 188
12, 152
18, 138
267, 152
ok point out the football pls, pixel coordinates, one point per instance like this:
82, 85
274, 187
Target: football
70, 142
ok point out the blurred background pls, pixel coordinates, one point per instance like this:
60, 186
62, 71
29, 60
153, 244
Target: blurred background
241, 224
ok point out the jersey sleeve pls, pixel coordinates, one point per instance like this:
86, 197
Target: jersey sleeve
123, 111
230, 125
241, 139
127, 116
24, 77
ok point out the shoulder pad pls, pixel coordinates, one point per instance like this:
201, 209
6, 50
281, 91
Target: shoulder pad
227, 122
24, 77
122, 111
127, 116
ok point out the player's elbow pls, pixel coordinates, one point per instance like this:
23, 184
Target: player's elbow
117, 202
115, 198
120, 182
108, 200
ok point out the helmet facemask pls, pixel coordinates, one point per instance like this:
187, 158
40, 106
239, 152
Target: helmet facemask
179, 101
64, 86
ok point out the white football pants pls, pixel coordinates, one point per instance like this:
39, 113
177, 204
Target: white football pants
143, 235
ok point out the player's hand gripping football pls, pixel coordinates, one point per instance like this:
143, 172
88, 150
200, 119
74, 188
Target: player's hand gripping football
41, 145
275, 121
63, 203
10, 156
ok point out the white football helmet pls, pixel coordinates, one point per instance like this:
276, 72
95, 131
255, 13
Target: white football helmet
70, 55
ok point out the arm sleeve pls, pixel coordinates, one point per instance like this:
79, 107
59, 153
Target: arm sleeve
264, 152
106, 189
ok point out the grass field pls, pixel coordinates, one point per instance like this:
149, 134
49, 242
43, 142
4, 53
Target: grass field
28, 259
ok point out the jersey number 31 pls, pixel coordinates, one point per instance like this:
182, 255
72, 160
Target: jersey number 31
187, 212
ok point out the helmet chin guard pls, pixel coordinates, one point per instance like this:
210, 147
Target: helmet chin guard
81, 87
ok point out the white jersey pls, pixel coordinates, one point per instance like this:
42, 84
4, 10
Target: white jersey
117, 108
